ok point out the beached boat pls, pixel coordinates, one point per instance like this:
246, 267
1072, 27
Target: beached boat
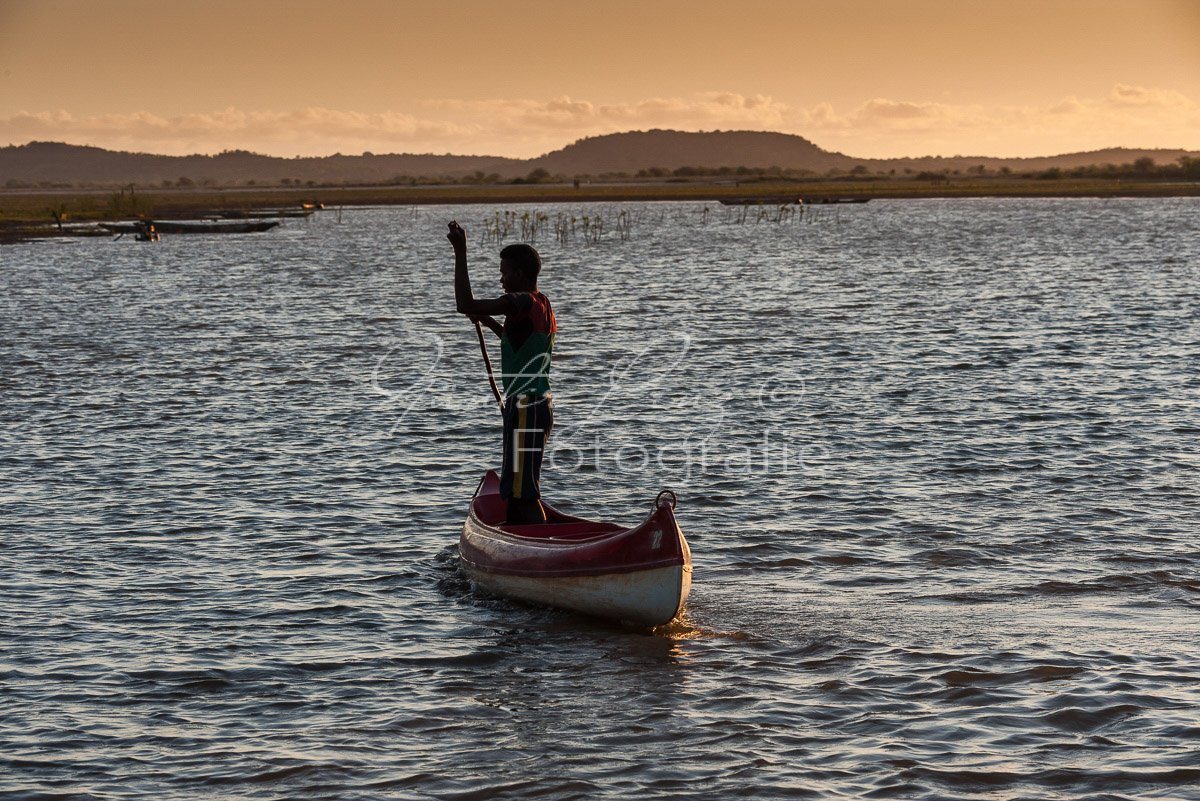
636, 575
215, 227
203, 227
788, 200
824, 200
264, 214
760, 201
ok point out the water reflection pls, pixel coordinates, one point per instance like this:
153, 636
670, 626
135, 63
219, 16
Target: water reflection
986, 585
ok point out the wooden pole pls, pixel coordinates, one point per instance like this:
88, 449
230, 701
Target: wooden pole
487, 363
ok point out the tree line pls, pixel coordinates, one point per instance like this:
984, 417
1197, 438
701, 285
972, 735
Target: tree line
1186, 168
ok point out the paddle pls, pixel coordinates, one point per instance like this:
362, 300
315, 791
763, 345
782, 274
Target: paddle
487, 363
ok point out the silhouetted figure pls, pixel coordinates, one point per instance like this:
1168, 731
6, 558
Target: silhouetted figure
526, 342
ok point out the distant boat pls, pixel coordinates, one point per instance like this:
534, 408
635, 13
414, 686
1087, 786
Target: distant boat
169, 227
823, 200
785, 201
264, 214
760, 201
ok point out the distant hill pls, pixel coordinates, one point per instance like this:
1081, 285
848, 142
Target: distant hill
55, 162
638, 150
39, 163
1066, 161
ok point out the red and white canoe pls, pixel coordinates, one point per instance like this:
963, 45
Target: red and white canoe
637, 575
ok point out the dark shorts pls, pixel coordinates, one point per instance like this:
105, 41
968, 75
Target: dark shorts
527, 423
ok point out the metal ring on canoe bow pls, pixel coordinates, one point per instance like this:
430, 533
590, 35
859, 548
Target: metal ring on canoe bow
659, 500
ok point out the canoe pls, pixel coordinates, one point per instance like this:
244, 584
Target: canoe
264, 214
788, 200
173, 227
826, 200
638, 575
169, 227
760, 201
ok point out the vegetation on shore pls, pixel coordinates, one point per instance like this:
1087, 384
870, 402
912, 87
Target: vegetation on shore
44, 210
1186, 168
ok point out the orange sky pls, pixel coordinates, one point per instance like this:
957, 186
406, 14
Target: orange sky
870, 78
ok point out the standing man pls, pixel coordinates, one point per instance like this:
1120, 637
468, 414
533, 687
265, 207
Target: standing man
526, 342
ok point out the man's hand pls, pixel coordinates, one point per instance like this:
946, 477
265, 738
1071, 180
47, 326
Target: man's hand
485, 320
464, 301
457, 237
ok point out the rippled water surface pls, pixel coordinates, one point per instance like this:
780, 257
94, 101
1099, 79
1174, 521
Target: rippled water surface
937, 462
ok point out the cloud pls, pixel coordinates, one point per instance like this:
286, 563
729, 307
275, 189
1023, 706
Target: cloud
893, 110
1130, 116
1123, 96
308, 130
712, 109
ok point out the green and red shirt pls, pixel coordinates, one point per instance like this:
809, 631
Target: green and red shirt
526, 344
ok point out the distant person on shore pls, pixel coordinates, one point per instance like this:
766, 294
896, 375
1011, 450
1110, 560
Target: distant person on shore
526, 343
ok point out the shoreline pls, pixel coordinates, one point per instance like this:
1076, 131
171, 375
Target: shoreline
29, 213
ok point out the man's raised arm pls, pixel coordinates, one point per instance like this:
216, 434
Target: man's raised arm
464, 299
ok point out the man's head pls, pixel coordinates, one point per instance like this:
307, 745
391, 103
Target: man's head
519, 268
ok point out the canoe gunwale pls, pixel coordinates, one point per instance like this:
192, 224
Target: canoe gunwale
640, 574
476, 528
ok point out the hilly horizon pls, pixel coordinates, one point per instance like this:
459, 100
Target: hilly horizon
56, 163
638, 150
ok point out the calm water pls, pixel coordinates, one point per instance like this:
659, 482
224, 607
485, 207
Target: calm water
938, 461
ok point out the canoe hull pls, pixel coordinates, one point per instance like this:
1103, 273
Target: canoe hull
638, 575
645, 597
175, 227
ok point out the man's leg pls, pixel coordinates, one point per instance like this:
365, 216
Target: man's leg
530, 427
525, 511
